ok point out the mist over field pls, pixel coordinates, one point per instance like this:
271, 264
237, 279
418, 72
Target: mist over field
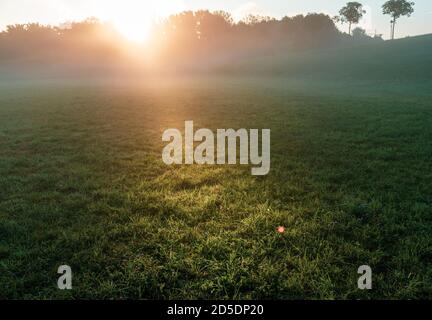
82, 183
186, 43
303, 49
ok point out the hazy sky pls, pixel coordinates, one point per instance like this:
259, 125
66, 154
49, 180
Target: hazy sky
133, 13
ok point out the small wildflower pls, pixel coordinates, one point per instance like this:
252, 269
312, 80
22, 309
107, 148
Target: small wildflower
280, 229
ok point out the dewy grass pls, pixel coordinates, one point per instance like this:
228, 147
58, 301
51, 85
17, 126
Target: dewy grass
82, 184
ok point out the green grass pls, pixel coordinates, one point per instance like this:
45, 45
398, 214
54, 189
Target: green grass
82, 183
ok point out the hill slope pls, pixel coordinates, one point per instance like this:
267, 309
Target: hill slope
407, 58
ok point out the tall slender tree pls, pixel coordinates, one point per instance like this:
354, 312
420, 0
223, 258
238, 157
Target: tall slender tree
351, 13
397, 9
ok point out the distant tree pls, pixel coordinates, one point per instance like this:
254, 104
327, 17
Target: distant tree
214, 25
351, 13
359, 33
252, 19
378, 37
16, 29
397, 9
226, 16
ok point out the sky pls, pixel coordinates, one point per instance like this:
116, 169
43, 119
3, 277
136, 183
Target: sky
130, 15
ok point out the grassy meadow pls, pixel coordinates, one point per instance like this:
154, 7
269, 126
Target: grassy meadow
82, 183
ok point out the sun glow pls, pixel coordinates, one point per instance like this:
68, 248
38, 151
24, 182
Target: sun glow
136, 31
135, 18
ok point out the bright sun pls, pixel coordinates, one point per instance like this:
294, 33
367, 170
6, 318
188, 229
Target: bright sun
135, 18
136, 31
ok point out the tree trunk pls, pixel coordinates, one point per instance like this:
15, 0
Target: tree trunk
393, 29
349, 30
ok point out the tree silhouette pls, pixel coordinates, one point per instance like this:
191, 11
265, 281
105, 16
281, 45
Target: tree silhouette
351, 13
359, 33
397, 9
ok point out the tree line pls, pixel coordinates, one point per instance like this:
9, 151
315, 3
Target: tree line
189, 37
186, 35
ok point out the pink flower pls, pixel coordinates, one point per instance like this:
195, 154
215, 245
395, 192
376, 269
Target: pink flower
280, 229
